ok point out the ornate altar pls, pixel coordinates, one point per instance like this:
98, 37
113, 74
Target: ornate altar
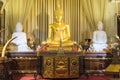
51, 65
54, 66
21, 63
96, 63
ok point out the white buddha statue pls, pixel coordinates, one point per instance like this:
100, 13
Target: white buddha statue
20, 41
99, 38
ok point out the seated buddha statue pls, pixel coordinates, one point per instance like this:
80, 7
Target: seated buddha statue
20, 41
58, 31
99, 38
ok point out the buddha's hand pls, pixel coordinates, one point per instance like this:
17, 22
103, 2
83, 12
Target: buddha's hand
65, 39
102, 42
48, 40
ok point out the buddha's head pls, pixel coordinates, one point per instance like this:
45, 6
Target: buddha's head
58, 14
100, 25
19, 27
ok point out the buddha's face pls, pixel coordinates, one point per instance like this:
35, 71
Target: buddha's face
19, 27
58, 18
100, 26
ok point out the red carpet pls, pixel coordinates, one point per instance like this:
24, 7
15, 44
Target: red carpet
30, 77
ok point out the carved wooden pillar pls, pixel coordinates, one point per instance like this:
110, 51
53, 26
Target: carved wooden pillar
2, 25
118, 25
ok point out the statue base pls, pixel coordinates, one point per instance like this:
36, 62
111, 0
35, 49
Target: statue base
56, 48
66, 48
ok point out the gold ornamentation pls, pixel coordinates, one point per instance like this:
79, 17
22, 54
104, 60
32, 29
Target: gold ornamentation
48, 71
61, 67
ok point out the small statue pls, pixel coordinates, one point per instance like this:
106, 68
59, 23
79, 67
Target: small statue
99, 39
58, 30
20, 41
31, 41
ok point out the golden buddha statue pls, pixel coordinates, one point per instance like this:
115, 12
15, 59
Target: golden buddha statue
58, 31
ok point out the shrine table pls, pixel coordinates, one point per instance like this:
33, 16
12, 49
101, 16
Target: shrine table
49, 64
